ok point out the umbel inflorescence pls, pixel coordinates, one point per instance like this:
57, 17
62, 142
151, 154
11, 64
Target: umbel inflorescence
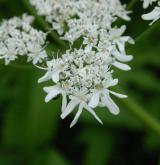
19, 38
82, 75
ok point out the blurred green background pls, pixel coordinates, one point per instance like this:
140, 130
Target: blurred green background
32, 133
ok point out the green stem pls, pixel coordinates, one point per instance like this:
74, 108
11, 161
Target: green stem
148, 32
145, 34
145, 117
44, 24
142, 115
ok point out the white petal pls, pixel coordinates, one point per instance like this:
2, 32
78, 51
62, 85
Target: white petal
70, 107
113, 83
124, 17
94, 100
55, 76
113, 108
154, 14
126, 58
128, 39
131, 40
48, 89
46, 77
77, 115
122, 57
121, 66
93, 113
118, 32
146, 3
118, 94
64, 101
52, 93
121, 46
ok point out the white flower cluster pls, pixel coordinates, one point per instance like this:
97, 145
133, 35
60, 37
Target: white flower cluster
63, 15
83, 76
154, 15
18, 38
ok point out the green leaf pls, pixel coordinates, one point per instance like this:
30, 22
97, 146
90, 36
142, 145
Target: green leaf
99, 144
29, 122
49, 157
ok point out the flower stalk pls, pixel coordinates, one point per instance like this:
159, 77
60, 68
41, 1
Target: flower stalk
142, 115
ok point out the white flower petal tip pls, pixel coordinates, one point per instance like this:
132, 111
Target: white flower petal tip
119, 95
71, 125
63, 116
44, 78
70, 107
46, 89
114, 109
131, 41
121, 66
52, 92
97, 118
115, 112
77, 116
47, 99
93, 113
124, 97
127, 58
100, 121
130, 58
112, 83
41, 80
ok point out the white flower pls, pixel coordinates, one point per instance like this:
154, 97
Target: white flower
7, 53
121, 66
121, 56
18, 38
154, 15
90, 16
79, 100
118, 39
54, 68
53, 91
146, 3
101, 96
84, 75
36, 53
